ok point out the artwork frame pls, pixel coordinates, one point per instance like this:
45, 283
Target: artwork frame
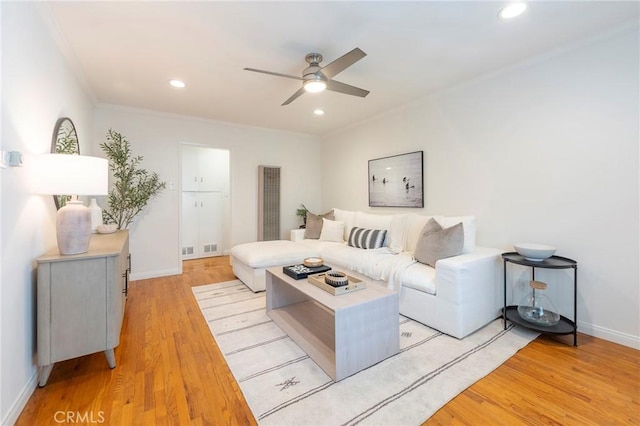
397, 181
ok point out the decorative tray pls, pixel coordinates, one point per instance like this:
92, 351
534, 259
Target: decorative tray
354, 285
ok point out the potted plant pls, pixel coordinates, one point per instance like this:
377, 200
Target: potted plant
133, 186
302, 212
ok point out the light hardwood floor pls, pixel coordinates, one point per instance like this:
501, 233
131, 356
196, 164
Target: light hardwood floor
170, 371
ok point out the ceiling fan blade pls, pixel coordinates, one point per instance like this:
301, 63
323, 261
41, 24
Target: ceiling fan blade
343, 62
294, 96
273, 73
337, 86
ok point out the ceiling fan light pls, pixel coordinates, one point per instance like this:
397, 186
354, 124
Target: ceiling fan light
314, 86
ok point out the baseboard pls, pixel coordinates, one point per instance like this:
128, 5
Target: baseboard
20, 402
610, 335
154, 274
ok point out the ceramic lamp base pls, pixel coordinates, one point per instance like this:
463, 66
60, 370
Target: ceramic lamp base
73, 228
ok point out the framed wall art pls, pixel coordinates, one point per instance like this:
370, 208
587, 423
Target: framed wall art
396, 181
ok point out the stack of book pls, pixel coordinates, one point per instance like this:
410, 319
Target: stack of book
299, 272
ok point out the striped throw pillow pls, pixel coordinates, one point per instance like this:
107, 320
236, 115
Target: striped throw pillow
366, 238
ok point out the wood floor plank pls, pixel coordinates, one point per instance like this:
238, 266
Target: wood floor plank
170, 371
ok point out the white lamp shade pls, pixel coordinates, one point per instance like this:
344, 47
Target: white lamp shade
72, 174
75, 175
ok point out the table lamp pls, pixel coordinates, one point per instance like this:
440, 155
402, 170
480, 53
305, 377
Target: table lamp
77, 175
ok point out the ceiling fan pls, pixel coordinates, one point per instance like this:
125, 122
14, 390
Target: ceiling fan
316, 78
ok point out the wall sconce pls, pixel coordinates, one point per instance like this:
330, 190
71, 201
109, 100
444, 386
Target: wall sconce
78, 175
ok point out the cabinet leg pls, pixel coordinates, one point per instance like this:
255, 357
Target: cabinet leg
111, 358
45, 370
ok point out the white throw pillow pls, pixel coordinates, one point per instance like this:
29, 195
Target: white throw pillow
332, 230
397, 233
314, 224
346, 216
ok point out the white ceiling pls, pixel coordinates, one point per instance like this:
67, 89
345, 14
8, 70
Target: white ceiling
127, 51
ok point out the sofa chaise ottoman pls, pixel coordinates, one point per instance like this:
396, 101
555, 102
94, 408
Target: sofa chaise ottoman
250, 260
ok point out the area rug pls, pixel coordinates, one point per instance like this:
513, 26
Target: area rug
283, 386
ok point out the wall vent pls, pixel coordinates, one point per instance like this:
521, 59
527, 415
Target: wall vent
210, 248
268, 203
186, 251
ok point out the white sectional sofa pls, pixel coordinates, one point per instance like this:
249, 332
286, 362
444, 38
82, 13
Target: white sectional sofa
461, 294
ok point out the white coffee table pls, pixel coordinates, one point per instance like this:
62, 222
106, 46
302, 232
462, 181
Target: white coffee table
342, 334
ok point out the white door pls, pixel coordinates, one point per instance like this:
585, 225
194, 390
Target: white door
205, 199
209, 169
190, 168
210, 223
201, 224
204, 169
190, 227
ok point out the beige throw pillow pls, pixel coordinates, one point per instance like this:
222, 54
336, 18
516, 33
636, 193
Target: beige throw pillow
436, 243
314, 224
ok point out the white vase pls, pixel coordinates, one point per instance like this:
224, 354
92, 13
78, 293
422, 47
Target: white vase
96, 215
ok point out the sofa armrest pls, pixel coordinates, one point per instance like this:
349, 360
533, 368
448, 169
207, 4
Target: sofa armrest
468, 277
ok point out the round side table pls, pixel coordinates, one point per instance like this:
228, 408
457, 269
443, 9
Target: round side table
566, 325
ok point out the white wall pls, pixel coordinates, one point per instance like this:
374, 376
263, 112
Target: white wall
37, 88
543, 152
155, 235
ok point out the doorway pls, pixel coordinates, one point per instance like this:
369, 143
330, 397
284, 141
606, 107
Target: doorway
204, 201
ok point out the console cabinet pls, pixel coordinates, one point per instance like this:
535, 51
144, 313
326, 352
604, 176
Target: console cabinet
81, 301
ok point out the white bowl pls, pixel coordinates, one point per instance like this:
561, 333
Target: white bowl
534, 251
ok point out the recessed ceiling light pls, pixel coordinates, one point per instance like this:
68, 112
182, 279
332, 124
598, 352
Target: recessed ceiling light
178, 83
318, 111
511, 11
